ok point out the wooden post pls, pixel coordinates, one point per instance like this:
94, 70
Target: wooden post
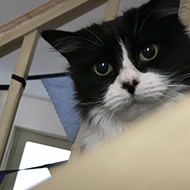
53, 14
111, 9
185, 13
16, 88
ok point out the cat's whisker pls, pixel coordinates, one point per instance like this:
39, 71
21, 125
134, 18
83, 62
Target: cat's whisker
175, 85
84, 59
178, 87
158, 99
90, 103
170, 97
182, 77
145, 20
95, 36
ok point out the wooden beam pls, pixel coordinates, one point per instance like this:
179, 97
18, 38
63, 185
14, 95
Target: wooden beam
185, 13
16, 88
51, 15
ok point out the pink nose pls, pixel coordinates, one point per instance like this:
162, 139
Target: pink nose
130, 86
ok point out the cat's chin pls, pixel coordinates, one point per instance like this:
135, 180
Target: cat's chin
134, 107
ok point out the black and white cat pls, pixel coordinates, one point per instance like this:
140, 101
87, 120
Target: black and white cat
124, 68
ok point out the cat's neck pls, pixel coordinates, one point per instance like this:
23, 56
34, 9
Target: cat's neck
101, 124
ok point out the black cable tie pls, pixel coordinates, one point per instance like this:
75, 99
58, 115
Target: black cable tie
19, 79
33, 77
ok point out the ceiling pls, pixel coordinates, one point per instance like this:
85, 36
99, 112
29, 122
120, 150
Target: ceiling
45, 60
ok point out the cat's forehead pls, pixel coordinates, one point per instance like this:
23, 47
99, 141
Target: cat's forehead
152, 16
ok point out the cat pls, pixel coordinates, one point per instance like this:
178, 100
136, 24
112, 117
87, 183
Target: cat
126, 67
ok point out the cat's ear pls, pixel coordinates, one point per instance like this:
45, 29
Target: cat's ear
66, 43
165, 7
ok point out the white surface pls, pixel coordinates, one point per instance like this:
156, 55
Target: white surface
35, 155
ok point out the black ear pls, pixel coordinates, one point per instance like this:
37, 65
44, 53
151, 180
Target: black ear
172, 3
165, 7
65, 42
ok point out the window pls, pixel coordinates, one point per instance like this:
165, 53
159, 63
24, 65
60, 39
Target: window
32, 149
36, 154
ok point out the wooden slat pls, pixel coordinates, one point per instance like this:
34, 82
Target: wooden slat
185, 13
43, 18
36, 18
16, 88
30, 15
154, 154
111, 9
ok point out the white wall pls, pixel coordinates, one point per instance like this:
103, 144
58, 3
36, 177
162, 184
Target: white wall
36, 114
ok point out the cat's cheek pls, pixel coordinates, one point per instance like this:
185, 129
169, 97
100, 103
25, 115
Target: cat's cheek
116, 95
151, 84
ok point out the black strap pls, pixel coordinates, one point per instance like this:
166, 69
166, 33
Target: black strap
32, 168
19, 79
38, 77
4, 87
5, 172
33, 77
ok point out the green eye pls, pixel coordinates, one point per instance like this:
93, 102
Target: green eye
102, 69
149, 52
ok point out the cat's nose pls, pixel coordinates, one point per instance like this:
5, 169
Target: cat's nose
130, 86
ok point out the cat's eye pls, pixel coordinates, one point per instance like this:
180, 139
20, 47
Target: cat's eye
102, 69
149, 52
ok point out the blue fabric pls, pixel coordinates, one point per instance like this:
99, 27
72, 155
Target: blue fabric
2, 175
60, 90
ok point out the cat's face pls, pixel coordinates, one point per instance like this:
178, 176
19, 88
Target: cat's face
141, 57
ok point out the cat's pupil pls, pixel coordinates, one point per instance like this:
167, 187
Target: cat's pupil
102, 68
149, 52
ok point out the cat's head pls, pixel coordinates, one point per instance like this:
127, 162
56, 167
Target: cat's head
141, 57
